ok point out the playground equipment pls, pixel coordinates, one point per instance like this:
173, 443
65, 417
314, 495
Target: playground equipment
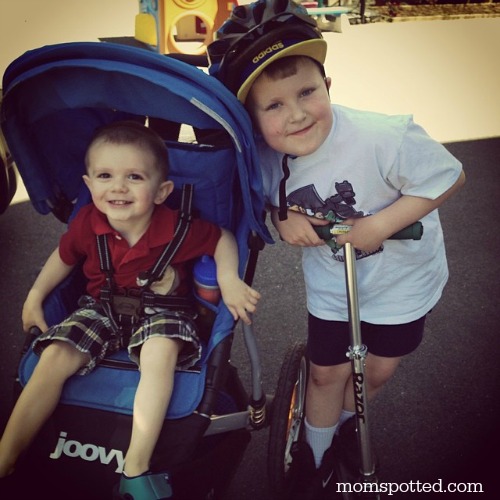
165, 25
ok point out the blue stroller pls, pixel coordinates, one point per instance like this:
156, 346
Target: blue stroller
53, 99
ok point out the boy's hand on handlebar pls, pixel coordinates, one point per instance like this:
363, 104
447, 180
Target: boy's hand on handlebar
240, 298
297, 228
366, 234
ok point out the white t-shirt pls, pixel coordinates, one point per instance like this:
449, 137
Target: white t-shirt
378, 158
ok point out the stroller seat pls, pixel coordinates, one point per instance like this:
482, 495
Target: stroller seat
53, 99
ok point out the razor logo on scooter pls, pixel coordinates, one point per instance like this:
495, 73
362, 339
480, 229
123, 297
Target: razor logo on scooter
357, 354
88, 452
358, 379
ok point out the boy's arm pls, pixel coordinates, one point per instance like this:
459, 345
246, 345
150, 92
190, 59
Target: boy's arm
297, 229
368, 233
237, 295
52, 273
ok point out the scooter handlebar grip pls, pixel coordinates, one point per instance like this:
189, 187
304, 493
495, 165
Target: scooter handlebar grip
412, 232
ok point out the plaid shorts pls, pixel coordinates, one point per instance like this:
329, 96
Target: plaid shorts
88, 329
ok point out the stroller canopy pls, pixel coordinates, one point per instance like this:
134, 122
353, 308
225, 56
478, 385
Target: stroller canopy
54, 98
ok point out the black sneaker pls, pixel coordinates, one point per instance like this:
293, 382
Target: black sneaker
307, 482
326, 473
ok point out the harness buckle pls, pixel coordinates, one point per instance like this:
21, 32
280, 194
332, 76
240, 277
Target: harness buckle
126, 326
126, 305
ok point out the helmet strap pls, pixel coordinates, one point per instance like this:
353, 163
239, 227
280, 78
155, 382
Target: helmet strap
283, 209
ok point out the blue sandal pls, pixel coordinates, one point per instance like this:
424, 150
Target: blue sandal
147, 486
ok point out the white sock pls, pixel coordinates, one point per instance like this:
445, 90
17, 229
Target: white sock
319, 439
344, 415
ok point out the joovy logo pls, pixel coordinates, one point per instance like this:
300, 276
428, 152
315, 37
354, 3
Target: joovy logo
88, 452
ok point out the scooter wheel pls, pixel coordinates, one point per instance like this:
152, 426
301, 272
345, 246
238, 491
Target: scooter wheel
287, 418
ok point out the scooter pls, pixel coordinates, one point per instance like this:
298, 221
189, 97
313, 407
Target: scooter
367, 482
289, 400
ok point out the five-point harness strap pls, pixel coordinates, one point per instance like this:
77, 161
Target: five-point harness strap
185, 216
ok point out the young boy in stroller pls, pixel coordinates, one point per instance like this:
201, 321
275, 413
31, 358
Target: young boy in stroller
127, 170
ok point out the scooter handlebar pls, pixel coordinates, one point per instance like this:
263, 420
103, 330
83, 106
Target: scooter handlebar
411, 232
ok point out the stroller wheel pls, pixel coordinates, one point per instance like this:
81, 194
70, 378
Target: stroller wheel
287, 417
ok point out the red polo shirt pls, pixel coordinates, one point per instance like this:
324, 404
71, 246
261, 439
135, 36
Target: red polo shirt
79, 242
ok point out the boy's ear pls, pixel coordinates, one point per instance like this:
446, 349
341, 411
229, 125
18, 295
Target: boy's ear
328, 82
164, 190
86, 179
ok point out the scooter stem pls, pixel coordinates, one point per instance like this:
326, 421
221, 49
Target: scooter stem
357, 354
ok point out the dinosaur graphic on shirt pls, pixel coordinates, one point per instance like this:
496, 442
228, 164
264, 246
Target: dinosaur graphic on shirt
336, 208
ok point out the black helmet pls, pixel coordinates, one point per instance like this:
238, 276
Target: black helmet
257, 34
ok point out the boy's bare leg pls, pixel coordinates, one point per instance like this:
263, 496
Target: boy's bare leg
38, 400
158, 359
325, 393
330, 388
378, 371
324, 399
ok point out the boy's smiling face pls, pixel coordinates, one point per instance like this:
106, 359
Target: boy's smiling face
293, 113
125, 184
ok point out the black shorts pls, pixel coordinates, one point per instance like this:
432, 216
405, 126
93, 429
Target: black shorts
328, 341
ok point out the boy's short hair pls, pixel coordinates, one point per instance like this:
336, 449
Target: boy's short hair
135, 133
288, 66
